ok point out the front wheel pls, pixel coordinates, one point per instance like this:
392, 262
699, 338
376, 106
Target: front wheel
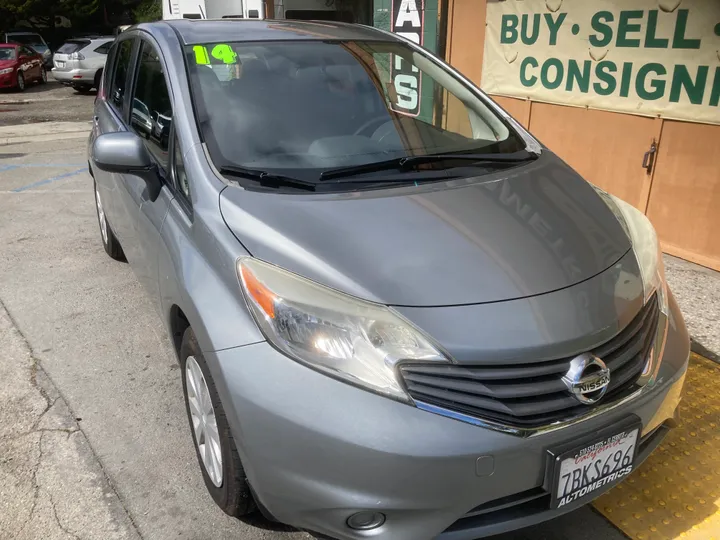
43, 75
20, 81
222, 471
110, 242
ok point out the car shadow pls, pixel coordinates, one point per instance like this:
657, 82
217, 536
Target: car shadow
258, 520
35, 88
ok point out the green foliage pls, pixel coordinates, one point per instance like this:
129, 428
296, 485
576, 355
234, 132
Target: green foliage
80, 12
147, 11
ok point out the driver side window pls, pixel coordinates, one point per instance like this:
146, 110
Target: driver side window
151, 108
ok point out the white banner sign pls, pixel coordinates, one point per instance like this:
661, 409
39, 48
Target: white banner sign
648, 57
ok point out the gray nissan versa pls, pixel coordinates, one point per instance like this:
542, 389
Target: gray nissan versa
397, 314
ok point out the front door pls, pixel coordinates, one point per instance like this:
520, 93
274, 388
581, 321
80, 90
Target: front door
30, 64
151, 115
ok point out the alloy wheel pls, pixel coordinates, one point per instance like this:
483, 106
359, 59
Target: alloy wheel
204, 423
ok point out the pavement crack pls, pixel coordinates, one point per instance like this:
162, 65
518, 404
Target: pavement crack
16, 436
35, 485
49, 403
36, 366
57, 520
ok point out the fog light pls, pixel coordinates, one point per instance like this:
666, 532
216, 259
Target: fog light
364, 521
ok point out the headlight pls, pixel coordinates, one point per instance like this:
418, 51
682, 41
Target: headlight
348, 338
645, 245
652, 271
6, 71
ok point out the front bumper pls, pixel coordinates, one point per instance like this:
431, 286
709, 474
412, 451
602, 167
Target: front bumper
8, 80
316, 450
74, 76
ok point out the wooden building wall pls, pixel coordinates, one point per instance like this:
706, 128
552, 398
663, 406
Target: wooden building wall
681, 195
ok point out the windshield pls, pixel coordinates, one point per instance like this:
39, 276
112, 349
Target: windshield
308, 106
33, 40
6, 53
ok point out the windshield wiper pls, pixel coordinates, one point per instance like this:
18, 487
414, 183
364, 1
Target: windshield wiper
266, 178
408, 162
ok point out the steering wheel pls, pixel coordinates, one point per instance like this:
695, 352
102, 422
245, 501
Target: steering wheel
379, 120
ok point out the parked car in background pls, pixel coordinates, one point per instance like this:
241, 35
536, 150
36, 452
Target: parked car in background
20, 65
33, 40
80, 62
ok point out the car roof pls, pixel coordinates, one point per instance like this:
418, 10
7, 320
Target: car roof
193, 31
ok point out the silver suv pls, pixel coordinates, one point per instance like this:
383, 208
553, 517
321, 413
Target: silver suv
79, 62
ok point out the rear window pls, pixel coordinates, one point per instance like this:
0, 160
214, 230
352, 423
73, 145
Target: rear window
73, 45
26, 39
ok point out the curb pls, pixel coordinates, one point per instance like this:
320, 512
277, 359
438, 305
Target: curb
47, 137
701, 350
15, 101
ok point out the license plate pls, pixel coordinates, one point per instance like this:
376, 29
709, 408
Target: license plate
581, 472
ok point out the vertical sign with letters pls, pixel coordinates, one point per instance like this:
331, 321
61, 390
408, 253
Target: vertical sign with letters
408, 18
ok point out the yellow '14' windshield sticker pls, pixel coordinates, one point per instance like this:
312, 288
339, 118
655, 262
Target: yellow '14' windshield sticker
222, 52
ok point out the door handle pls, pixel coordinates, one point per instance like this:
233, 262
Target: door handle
649, 158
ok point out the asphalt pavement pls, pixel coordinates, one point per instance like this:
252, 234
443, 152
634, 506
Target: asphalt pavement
94, 441
44, 103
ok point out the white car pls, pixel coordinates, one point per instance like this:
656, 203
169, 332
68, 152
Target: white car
80, 62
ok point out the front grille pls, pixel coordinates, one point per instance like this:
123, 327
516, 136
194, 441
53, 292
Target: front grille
532, 395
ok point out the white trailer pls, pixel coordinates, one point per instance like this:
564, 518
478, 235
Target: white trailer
213, 9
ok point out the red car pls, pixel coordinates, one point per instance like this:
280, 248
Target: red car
20, 65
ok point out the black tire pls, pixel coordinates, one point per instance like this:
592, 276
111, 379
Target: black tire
20, 82
43, 75
234, 495
98, 78
109, 240
83, 88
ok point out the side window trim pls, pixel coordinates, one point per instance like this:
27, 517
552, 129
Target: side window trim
175, 151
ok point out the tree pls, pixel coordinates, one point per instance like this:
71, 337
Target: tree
148, 11
44, 12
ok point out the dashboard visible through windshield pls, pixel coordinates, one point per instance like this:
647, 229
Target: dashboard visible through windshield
303, 107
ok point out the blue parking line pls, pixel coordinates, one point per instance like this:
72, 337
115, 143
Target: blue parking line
49, 180
34, 165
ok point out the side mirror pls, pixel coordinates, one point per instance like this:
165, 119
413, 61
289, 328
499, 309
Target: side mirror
123, 152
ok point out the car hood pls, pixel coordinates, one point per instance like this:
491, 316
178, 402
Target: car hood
7, 63
523, 232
